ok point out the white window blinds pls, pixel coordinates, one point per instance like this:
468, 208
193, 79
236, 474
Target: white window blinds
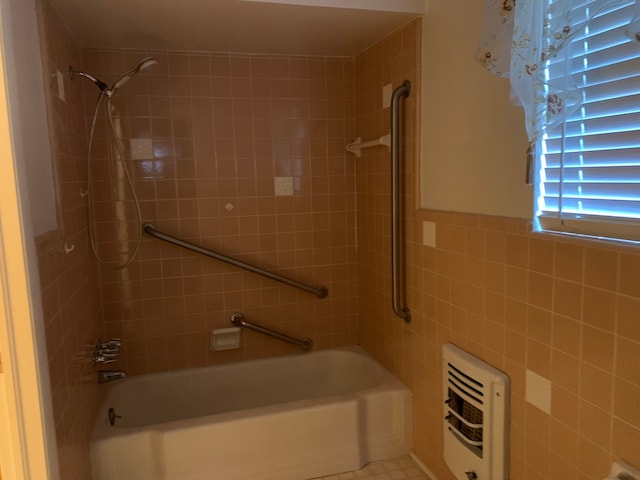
588, 180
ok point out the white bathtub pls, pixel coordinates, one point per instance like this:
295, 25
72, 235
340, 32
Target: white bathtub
285, 418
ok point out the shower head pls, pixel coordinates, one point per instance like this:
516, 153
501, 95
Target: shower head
144, 65
100, 84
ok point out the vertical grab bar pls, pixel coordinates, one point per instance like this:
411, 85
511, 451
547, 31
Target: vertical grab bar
397, 237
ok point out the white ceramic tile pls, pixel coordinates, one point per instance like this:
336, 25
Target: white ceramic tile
429, 234
538, 391
283, 186
141, 148
60, 82
387, 91
403, 468
398, 475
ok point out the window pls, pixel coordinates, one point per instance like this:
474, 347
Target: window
588, 175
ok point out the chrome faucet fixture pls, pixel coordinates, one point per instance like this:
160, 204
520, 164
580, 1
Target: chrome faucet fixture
106, 376
106, 352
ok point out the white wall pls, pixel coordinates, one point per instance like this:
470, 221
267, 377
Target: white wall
28, 111
27, 442
473, 140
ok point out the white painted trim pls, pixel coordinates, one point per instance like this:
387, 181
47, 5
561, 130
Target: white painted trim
396, 6
27, 437
422, 466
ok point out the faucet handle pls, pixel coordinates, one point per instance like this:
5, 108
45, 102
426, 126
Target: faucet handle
104, 358
106, 351
113, 343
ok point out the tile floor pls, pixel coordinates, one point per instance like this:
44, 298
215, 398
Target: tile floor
403, 468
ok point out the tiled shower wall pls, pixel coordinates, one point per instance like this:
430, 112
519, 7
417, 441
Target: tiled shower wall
243, 154
568, 310
69, 281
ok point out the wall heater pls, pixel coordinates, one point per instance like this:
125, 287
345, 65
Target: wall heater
476, 408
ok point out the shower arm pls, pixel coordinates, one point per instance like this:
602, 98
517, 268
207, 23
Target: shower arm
150, 230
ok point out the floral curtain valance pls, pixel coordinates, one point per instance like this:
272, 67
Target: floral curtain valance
519, 37
494, 51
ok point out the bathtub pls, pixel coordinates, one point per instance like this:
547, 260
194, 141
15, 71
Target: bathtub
286, 418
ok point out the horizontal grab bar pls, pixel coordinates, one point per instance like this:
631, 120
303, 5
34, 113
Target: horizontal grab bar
238, 320
149, 229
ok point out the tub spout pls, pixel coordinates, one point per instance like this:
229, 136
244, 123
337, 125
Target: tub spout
105, 376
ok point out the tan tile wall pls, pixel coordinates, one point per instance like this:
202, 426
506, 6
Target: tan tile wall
568, 310
69, 282
222, 127
391, 61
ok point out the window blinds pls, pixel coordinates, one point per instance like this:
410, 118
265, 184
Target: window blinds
589, 166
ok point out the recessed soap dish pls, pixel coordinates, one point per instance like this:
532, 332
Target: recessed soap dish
225, 338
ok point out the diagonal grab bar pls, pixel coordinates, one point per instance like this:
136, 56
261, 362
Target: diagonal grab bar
149, 229
239, 321
397, 237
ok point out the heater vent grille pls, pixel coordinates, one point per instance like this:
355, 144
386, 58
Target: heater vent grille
476, 396
465, 418
466, 384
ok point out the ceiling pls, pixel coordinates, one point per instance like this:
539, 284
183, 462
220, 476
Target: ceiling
295, 27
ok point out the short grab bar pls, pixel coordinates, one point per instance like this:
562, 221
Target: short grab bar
238, 320
149, 229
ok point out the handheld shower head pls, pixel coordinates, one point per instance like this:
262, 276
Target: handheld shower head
100, 84
144, 65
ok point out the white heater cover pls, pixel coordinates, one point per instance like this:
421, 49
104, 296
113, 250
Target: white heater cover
476, 429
